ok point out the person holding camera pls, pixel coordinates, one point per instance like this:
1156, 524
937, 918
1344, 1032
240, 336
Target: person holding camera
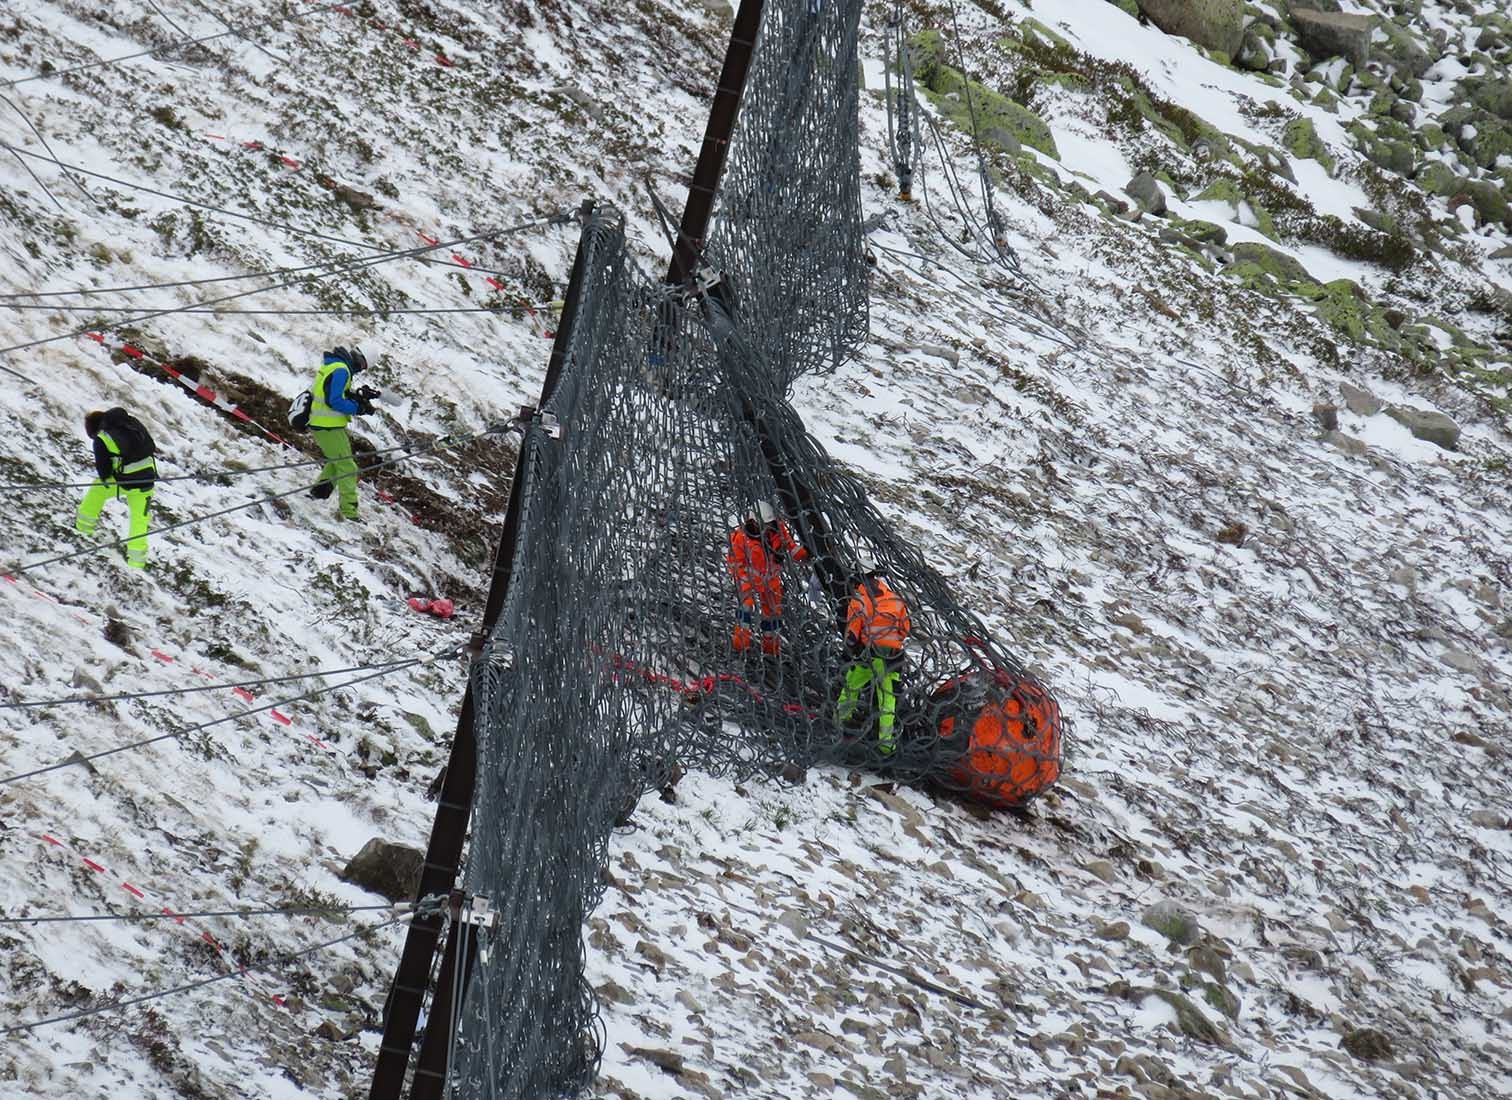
333, 403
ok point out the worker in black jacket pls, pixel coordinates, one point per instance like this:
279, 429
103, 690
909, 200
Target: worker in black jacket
123, 451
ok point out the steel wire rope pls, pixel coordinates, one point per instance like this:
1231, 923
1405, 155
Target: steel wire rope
449, 441
994, 222
249, 712
336, 267
127, 1002
26, 704
289, 911
223, 21
269, 273
38, 135
210, 475
256, 219
1033, 327
355, 311
173, 47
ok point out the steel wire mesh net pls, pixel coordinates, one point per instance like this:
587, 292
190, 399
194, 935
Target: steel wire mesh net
788, 235
697, 585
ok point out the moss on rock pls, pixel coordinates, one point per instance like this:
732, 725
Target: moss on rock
959, 99
1301, 140
1270, 262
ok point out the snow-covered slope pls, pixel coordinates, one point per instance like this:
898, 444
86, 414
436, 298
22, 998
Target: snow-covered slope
1275, 616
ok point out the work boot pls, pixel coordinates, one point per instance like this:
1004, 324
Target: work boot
322, 490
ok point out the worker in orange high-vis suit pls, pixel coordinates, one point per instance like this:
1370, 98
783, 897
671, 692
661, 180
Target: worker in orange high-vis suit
759, 548
876, 628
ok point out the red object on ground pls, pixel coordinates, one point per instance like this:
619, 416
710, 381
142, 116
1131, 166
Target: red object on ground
443, 609
419, 604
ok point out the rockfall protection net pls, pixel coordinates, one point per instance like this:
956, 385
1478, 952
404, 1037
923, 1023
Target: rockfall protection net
787, 238
647, 628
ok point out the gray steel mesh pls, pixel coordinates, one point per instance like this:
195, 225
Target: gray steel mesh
618, 656
787, 238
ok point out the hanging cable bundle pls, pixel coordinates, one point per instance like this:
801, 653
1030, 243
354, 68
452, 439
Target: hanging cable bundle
903, 139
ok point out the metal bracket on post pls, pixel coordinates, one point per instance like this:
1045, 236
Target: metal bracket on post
549, 424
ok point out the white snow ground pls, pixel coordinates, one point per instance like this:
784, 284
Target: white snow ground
1286, 655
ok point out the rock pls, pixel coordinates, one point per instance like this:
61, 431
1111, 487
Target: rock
1489, 819
1102, 869
390, 870
85, 682
993, 111
1489, 200
1504, 253
1437, 178
1381, 223
1191, 1020
1350, 445
1302, 141
996, 135
1326, 415
1489, 95
1368, 1045
1253, 55
117, 633
1404, 112
1145, 190
1403, 50
357, 200
1334, 34
1173, 921
1118, 930
1431, 427
1396, 157
1277, 264
1360, 401
1232, 534
1114, 204
1460, 661
1215, 24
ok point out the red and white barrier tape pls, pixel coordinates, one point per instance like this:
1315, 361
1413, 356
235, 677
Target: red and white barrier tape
539, 324
140, 898
199, 389
168, 659
413, 44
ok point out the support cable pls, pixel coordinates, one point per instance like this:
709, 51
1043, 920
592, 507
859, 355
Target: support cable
249, 712
449, 441
255, 219
223, 21
1005, 253
211, 475
355, 311
268, 274
228, 685
173, 47
127, 1002
175, 915
336, 267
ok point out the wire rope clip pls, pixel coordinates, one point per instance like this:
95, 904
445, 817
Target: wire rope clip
500, 655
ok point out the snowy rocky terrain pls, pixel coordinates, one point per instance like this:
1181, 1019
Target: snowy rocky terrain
1232, 473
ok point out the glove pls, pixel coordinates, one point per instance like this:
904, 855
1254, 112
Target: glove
365, 396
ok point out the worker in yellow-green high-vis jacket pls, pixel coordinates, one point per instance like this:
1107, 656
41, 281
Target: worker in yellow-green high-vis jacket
333, 404
123, 455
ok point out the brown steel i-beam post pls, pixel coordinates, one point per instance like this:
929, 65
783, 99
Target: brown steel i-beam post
443, 856
716, 142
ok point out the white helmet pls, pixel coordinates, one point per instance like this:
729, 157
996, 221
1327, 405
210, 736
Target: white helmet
762, 513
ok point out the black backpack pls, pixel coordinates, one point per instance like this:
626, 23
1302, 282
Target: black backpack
299, 410
130, 435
